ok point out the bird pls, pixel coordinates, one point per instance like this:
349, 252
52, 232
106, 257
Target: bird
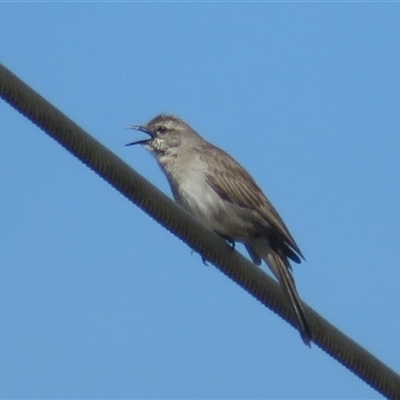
220, 193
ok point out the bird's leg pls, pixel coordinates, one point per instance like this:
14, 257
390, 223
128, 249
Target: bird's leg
228, 239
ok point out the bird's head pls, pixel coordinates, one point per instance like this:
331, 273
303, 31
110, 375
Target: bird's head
166, 132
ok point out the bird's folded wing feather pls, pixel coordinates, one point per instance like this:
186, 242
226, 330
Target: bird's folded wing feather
233, 183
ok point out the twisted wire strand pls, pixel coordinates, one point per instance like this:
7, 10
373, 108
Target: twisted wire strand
212, 248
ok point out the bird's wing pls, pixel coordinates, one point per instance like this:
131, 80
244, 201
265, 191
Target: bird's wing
233, 183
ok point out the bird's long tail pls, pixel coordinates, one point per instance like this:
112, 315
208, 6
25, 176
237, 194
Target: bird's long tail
281, 268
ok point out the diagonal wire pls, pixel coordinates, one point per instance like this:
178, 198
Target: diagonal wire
142, 193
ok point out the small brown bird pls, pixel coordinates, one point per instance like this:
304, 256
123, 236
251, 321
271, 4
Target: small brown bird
220, 193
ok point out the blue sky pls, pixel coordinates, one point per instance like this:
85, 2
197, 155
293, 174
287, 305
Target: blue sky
98, 300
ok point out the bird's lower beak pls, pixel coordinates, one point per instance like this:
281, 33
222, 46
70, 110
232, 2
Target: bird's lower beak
142, 129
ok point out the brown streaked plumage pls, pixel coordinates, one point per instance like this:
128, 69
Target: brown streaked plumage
219, 192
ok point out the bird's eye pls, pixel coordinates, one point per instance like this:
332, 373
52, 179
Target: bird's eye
162, 129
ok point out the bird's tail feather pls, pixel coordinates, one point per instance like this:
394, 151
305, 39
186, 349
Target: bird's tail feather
281, 268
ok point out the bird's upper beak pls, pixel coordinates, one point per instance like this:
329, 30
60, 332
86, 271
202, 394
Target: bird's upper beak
142, 129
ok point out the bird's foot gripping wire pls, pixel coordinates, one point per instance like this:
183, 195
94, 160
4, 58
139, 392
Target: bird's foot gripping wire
230, 241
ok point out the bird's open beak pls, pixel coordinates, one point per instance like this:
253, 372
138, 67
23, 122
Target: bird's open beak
142, 129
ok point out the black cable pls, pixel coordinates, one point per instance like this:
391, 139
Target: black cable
180, 223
